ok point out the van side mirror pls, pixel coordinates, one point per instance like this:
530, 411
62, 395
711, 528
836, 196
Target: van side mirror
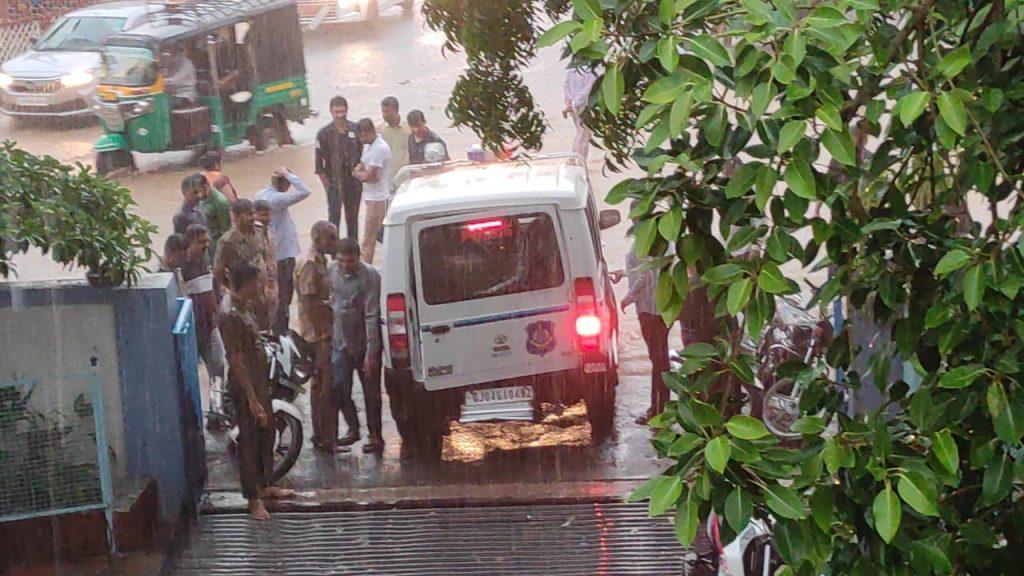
608, 219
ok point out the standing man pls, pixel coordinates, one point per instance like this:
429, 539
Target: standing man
424, 145
244, 243
179, 78
355, 298
315, 325
372, 171
212, 166
248, 383
395, 134
578, 83
190, 212
337, 152
285, 189
197, 275
215, 208
642, 284
261, 219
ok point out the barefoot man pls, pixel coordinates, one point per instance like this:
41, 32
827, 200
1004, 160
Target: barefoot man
248, 384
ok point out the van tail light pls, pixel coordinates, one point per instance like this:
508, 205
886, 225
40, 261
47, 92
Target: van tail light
588, 323
398, 327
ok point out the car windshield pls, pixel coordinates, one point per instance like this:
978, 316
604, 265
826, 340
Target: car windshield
80, 34
490, 257
124, 66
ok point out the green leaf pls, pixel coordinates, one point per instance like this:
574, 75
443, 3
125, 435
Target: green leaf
612, 88
887, 513
1007, 414
648, 114
823, 508
708, 49
738, 509
828, 114
643, 491
686, 443
952, 110
667, 11
795, 47
746, 428
664, 292
669, 225
791, 134
997, 480
558, 32
717, 453
761, 98
862, 4
764, 186
699, 350
945, 450
686, 519
784, 502
961, 376
824, 17
680, 113
834, 455
757, 11
952, 261
739, 295
668, 53
974, 286
772, 281
646, 232
587, 9
810, 425
723, 274
840, 146
918, 493
665, 90
742, 180
665, 495
800, 178
954, 62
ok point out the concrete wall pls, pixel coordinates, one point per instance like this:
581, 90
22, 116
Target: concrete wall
57, 326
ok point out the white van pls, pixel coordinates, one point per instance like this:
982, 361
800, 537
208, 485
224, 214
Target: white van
496, 296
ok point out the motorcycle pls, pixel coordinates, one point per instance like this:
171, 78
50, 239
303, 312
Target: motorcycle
794, 333
291, 364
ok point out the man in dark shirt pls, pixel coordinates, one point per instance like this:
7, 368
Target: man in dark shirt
190, 212
337, 153
421, 139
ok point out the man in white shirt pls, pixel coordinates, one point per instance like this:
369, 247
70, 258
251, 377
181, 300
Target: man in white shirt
179, 78
578, 83
373, 172
285, 189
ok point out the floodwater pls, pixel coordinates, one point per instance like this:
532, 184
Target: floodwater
396, 56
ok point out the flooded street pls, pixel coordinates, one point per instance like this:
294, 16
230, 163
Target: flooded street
395, 56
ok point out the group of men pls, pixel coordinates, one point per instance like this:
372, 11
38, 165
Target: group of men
240, 261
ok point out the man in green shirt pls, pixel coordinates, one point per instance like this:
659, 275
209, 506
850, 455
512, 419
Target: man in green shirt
215, 207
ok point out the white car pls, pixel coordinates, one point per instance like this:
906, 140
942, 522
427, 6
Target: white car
313, 13
496, 297
57, 76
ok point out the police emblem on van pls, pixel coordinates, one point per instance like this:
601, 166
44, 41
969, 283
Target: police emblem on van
540, 337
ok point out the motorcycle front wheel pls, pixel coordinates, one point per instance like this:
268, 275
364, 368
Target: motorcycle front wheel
287, 444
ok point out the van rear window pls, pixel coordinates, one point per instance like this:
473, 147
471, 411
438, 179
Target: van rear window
489, 257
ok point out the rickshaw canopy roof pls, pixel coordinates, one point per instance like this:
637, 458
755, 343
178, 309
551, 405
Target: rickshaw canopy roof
178, 21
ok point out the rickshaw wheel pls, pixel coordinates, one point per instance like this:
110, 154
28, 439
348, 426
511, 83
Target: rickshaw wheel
111, 160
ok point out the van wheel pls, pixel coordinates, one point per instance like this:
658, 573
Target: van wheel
600, 398
396, 384
427, 417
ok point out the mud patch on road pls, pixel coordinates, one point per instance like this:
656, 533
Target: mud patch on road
473, 442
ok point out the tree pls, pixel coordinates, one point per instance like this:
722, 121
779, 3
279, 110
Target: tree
77, 217
847, 135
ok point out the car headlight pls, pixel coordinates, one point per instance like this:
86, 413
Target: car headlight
77, 78
5, 80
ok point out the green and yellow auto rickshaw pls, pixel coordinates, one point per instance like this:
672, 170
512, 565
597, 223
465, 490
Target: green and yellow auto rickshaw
202, 75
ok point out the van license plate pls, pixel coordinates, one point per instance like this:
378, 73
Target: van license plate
499, 395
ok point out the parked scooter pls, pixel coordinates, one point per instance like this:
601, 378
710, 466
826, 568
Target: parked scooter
793, 334
292, 362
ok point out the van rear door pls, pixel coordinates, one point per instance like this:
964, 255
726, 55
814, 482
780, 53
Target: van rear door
494, 297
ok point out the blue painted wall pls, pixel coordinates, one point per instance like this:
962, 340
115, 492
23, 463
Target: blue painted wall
162, 440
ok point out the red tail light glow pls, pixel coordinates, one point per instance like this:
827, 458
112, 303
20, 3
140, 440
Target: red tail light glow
397, 324
588, 323
485, 225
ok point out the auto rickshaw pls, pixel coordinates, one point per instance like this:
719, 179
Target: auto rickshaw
202, 75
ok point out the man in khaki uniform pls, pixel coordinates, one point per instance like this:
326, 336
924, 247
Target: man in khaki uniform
243, 242
315, 325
